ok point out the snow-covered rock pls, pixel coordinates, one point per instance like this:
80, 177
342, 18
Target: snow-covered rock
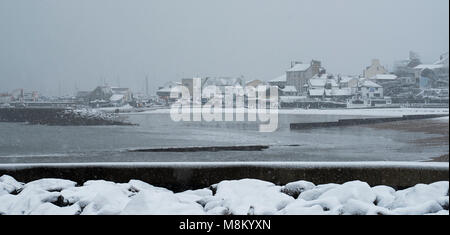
358, 190
8, 180
98, 197
236, 197
155, 202
442, 212
6, 202
316, 192
27, 201
51, 184
194, 195
299, 209
250, 196
428, 207
9, 185
358, 207
419, 194
384, 195
52, 209
137, 186
6, 188
294, 189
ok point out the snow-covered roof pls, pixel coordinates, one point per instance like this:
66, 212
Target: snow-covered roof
120, 90
254, 82
103, 89
429, 66
384, 77
169, 89
169, 85
333, 82
443, 60
331, 92
316, 92
338, 92
165, 89
346, 79
368, 83
317, 82
289, 89
116, 97
281, 78
299, 68
321, 82
291, 99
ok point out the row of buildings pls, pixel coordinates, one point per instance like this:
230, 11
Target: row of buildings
105, 96
410, 82
101, 96
303, 83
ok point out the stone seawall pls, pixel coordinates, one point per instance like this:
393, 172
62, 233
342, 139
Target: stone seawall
195, 175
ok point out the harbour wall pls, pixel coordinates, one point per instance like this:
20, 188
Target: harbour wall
361, 121
57, 116
196, 175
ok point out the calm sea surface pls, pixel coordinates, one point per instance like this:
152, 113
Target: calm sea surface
23, 143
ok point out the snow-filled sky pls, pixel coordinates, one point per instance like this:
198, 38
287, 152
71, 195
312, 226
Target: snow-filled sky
54, 45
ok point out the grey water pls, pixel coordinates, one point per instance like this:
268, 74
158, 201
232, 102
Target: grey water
24, 143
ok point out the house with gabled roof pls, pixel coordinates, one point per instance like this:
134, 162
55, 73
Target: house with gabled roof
299, 74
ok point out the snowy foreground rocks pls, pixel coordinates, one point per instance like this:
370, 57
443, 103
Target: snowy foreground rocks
236, 197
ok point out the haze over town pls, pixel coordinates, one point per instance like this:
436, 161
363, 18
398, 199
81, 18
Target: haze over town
59, 47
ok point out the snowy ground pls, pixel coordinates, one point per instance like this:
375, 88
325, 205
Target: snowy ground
123, 109
237, 197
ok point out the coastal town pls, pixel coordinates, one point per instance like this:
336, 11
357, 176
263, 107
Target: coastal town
208, 110
308, 85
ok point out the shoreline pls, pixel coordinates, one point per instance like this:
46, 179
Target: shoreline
438, 126
443, 158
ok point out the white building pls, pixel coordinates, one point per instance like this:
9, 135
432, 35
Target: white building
369, 90
383, 78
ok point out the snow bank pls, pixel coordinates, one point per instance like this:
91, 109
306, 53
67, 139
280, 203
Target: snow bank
124, 108
237, 197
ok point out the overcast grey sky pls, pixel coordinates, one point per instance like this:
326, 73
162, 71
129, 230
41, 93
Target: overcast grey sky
80, 43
